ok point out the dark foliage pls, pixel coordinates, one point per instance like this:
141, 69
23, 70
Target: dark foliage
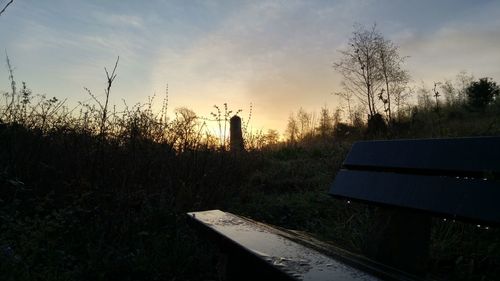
74, 207
376, 126
482, 93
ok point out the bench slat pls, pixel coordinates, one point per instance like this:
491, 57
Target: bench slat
469, 199
467, 156
265, 245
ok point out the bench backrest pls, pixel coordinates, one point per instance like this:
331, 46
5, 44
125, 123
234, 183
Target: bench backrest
456, 177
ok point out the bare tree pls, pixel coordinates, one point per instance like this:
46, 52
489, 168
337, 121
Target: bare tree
12, 85
272, 137
5, 7
463, 81
372, 70
449, 92
395, 78
436, 95
292, 129
305, 122
359, 66
104, 108
325, 127
424, 98
347, 98
401, 95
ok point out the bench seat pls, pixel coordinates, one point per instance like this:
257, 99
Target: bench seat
276, 253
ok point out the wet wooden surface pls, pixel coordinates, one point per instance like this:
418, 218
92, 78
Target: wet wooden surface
265, 243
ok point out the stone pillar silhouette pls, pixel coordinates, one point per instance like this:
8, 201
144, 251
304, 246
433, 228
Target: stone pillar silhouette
236, 136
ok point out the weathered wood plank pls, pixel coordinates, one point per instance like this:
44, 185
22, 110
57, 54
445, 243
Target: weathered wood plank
261, 245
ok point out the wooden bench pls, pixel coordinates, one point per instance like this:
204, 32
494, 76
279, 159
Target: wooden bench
408, 181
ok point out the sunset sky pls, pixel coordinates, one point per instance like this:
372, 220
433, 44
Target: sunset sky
277, 55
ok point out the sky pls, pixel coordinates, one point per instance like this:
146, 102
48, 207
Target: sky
275, 55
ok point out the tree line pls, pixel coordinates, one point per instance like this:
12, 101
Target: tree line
378, 93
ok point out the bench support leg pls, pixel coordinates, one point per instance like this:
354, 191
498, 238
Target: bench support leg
400, 239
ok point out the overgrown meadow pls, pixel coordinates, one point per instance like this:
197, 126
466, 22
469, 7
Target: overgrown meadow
99, 192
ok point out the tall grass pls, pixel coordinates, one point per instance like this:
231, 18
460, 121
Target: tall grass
98, 191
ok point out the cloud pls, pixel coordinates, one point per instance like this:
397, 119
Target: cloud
119, 20
452, 48
276, 54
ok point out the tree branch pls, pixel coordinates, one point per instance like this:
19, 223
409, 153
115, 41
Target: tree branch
4, 8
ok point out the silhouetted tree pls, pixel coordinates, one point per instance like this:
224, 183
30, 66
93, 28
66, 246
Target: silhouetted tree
347, 98
481, 93
454, 92
186, 129
305, 123
272, 137
424, 98
292, 129
436, 95
395, 78
463, 81
325, 127
449, 92
359, 66
372, 70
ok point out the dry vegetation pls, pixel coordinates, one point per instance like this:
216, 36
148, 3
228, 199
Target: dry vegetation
97, 193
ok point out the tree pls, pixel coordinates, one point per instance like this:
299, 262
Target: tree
325, 127
463, 81
481, 93
186, 131
449, 92
372, 70
395, 79
347, 98
455, 93
292, 129
359, 66
424, 98
305, 123
272, 137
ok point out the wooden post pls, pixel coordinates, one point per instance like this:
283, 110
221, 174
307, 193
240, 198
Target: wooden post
236, 136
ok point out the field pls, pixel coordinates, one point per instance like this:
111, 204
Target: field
84, 197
